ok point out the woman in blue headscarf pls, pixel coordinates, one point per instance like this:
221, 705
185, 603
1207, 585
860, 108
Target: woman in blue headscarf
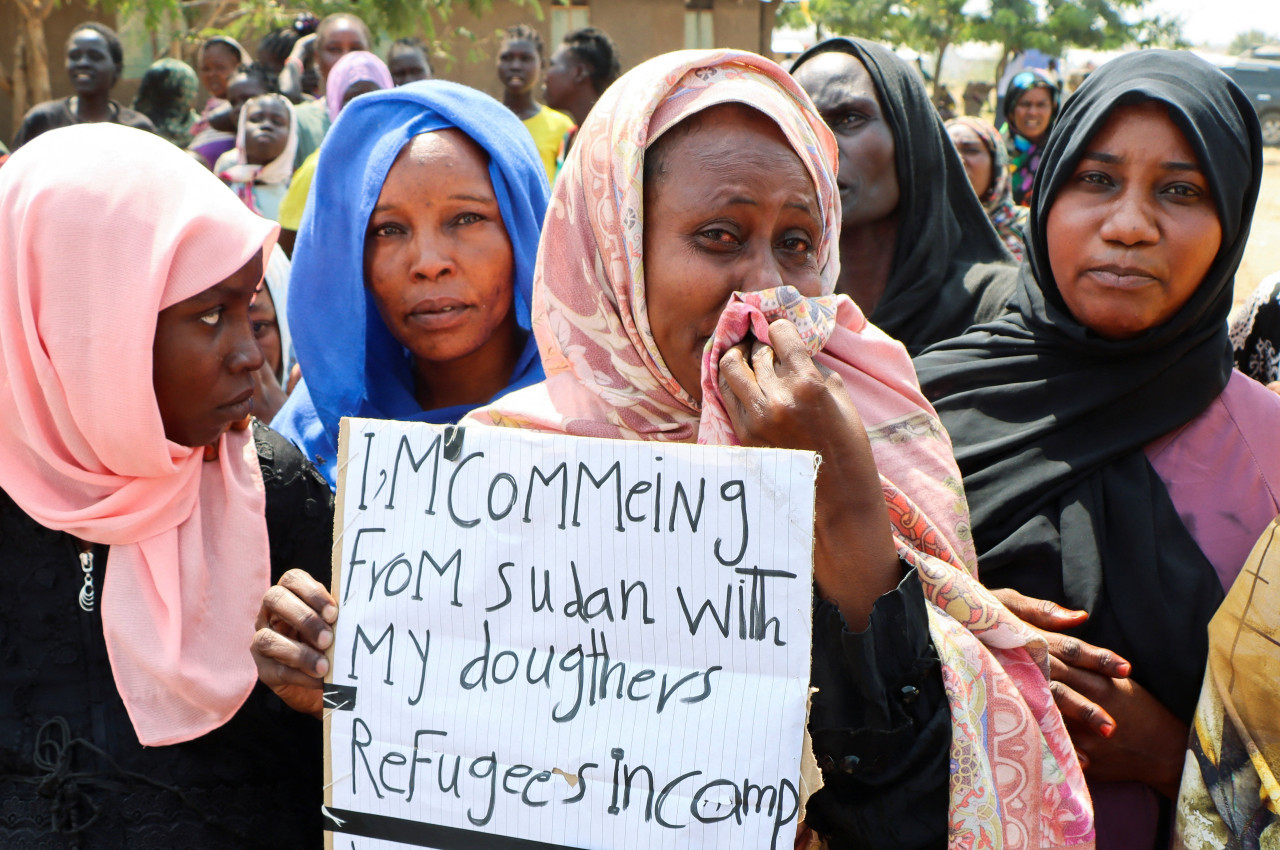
413, 269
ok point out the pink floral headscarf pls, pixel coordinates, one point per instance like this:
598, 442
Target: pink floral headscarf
1015, 780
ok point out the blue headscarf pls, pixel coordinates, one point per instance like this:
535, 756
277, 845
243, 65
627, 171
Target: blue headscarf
351, 363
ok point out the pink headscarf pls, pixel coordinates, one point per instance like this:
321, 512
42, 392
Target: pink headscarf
101, 228
354, 67
1015, 776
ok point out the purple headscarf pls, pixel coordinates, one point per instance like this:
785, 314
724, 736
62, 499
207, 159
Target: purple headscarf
355, 67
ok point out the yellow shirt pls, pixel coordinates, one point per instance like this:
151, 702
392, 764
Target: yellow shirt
295, 202
547, 128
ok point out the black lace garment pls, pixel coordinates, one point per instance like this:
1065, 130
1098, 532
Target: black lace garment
72, 773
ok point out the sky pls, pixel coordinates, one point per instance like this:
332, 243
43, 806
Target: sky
1217, 22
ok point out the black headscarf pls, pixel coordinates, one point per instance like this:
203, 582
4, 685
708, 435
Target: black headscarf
950, 268
1050, 420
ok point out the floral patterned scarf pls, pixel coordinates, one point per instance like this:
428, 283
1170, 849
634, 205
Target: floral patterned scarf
1008, 218
1015, 780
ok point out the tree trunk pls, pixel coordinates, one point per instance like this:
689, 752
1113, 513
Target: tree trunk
36, 63
768, 18
20, 102
1000, 66
937, 68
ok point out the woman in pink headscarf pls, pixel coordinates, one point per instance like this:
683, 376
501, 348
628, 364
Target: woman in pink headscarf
356, 73
684, 292
141, 518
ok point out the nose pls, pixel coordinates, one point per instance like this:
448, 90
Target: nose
432, 259
244, 353
763, 271
1130, 220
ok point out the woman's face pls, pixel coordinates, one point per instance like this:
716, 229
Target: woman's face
846, 97
975, 156
437, 258
217, 63
241, 90
733, 210
1134, 230
266, 327
519, 66
89, 63
408, 66
564, 76
356, 89
1032, 112
337, 38
266, 129
203, 359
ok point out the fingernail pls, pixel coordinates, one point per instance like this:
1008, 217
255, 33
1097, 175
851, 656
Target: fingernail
322, 666
1108, 730
324, 639
330, 613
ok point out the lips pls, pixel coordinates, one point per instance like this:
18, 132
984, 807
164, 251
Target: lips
439, 313
1123, 277
239, 407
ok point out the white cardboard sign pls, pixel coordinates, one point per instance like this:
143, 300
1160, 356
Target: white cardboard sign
549, 641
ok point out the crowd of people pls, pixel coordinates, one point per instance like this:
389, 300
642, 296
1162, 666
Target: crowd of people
1046, 499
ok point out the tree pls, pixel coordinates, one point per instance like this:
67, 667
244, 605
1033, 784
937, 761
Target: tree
1249, 39
29, 82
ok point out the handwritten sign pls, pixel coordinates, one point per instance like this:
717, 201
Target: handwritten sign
549, 641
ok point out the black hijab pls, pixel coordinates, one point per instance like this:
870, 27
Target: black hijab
1050, 420
950, 268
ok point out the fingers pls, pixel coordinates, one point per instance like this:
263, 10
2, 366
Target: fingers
1041, 613
1075, 706
283, 662
299, 606
1085, 656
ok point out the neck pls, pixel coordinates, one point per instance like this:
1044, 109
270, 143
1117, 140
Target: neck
581, 106
866, 261
473, 379
92, 107
522, 103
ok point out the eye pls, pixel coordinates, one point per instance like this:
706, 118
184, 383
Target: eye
718, 237
848, 121
468, 218
796, 244
1095, 178
1185, 191
212, 317
384, 230
262, 328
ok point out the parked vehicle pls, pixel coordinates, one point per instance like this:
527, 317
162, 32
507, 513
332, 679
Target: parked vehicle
1260, 79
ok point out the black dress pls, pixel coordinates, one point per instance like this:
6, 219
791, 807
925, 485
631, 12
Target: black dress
72, 773
881, 727
53, 114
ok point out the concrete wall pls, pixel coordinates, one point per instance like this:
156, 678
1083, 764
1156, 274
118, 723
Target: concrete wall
641, 29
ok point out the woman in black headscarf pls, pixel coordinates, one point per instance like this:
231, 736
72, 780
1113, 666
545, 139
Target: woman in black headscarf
1113, 461
917, 251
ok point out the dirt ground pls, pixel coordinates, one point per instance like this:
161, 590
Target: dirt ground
1262, 254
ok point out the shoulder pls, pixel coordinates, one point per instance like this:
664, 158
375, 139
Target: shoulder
557, 121
41, 118
130, 118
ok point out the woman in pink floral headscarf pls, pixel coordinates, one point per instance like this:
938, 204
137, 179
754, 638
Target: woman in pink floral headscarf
614, 369
684, 293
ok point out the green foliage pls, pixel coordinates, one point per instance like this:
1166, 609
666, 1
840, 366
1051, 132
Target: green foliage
1250, 38
392, 18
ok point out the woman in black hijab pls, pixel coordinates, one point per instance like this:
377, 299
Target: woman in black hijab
1111, 457
917, 251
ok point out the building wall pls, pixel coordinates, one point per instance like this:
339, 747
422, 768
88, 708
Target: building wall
641, 29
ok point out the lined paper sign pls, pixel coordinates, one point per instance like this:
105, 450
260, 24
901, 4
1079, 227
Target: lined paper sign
549, 641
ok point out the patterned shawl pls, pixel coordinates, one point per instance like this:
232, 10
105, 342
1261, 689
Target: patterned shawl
1024, 154
165, 95
1008, 218
1014, 778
